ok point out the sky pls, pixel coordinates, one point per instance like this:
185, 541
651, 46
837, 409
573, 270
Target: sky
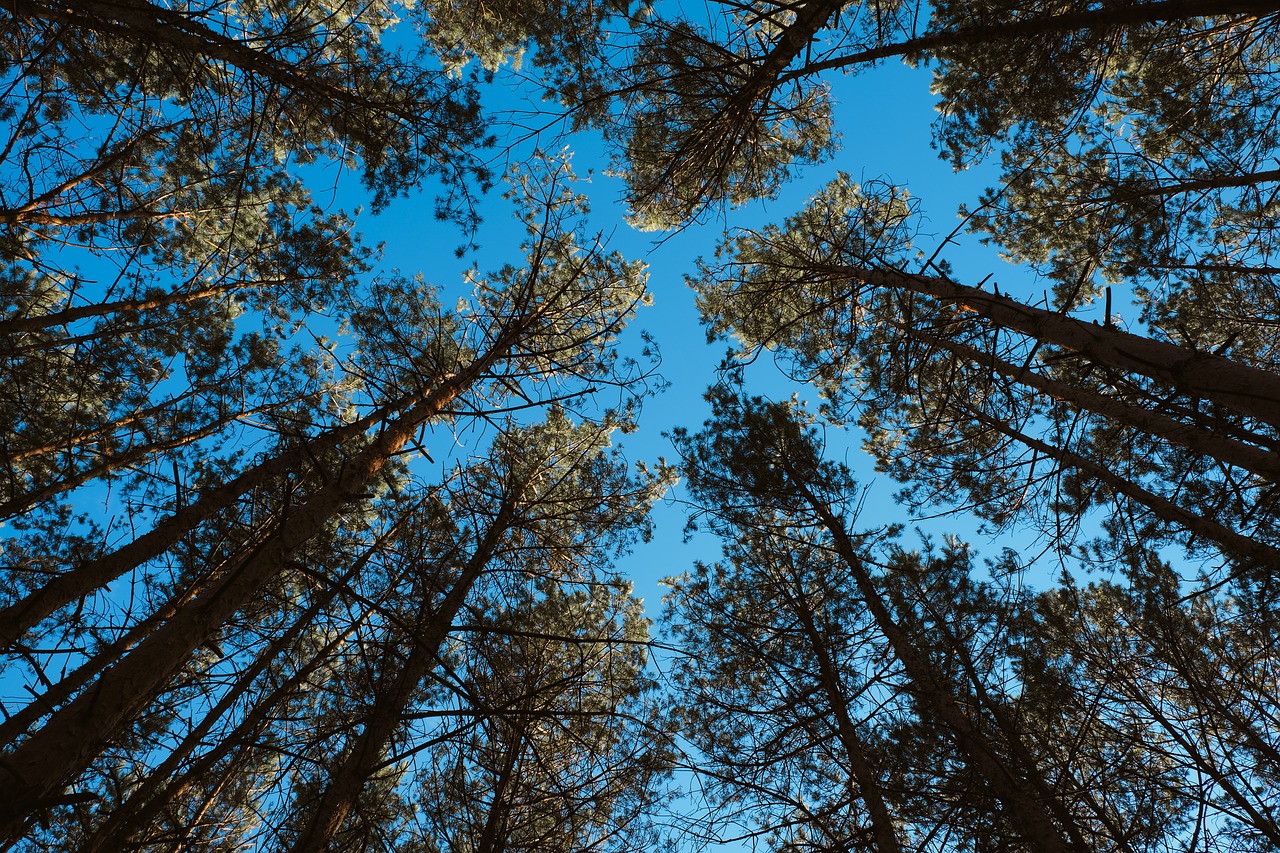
885, 116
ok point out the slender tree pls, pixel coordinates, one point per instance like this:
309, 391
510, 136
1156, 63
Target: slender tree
554, 500
982, 400
755, 471
553, 321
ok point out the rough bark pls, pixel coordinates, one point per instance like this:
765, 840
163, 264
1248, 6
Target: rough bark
1247, 391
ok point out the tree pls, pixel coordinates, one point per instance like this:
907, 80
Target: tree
815, 654
775, 687
1176, 210
756, 472
550, 497
153, 199
551, 322
1140, 664
1014, 410
724, 110
557, 743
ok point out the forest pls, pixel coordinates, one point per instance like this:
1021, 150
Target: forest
306, 549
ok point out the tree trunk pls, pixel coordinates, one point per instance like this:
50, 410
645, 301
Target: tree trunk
1025, 813
1129, 15
18, 325
17, 618
1206, 442
869, 788
145, 802
1123, 191
55, 694
52, 756
1247, 391
1232, 543
393, 694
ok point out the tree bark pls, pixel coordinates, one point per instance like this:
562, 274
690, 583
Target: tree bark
73, 736
869, 788
1247, 391
1264, 463
55, 694
1133, 15
1124, 191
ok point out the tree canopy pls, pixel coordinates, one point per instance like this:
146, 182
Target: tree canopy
307, 548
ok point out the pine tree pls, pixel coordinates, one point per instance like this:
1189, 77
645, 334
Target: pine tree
756, 475
979, 400
552, 322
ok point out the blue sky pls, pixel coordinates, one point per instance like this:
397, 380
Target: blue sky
885, 115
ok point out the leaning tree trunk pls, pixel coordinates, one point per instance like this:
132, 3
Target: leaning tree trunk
1201, 440
394, 691
1126, 15
1025, 812
33, 773
1248, 391
870, 790
91, 575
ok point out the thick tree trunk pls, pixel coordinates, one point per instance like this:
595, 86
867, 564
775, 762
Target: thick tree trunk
54, 695
1264, 463
1125, 190
1247, 391
1014, 740
143, 800
810, 18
